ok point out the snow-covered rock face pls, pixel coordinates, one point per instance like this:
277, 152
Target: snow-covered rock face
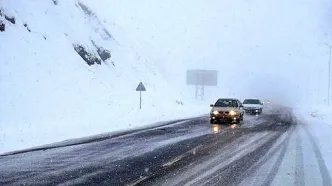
61, 70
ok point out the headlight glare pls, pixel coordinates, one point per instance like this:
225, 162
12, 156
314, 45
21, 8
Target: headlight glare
232, 113
215, 112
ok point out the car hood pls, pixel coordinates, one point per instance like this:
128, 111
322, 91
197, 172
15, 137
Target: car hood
224, 109
252, 105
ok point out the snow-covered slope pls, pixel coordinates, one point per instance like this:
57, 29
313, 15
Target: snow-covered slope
49, 93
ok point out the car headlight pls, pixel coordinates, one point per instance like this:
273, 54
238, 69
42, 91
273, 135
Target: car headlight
232, 113
215, 112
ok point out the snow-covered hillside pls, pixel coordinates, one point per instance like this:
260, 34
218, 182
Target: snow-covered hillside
50, 93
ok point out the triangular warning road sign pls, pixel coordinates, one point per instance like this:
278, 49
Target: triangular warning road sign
140, 87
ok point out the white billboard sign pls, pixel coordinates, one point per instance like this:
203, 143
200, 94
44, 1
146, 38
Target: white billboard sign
202, 77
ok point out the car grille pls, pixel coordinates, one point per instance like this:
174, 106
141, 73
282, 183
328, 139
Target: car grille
224, 112
250, 108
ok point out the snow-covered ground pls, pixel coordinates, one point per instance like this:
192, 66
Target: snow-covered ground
316, 124
49, 93
321, 114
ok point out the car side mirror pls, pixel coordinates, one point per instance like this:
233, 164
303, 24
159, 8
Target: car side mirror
211, 105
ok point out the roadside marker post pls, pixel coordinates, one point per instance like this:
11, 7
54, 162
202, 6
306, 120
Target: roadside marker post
141, 88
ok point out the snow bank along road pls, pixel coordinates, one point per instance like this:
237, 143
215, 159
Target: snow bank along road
271, 149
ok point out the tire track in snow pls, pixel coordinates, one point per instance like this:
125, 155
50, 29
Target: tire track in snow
326, 178
266, 158
234, 172
299, 167
202, 172
277, 164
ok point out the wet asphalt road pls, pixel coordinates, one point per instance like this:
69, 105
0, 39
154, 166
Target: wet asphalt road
189, 152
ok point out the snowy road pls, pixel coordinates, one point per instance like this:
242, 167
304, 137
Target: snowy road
272, 149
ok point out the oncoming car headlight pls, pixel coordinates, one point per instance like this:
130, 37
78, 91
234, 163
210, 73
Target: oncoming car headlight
215, 112
232, 113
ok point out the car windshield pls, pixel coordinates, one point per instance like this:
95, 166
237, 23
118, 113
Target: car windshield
251, 101
226, 103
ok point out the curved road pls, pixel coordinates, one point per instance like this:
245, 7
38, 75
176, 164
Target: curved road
263, 150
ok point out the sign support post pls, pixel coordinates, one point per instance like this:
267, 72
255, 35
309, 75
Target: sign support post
140, 88
140, 99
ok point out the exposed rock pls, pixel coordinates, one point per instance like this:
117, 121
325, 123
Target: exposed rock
10, 19
179, 102
89, 58
103, 53
55, 2
2, 26
26, 26
89, 13
85, 9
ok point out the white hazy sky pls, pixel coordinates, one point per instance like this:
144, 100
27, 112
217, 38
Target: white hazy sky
271, 49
